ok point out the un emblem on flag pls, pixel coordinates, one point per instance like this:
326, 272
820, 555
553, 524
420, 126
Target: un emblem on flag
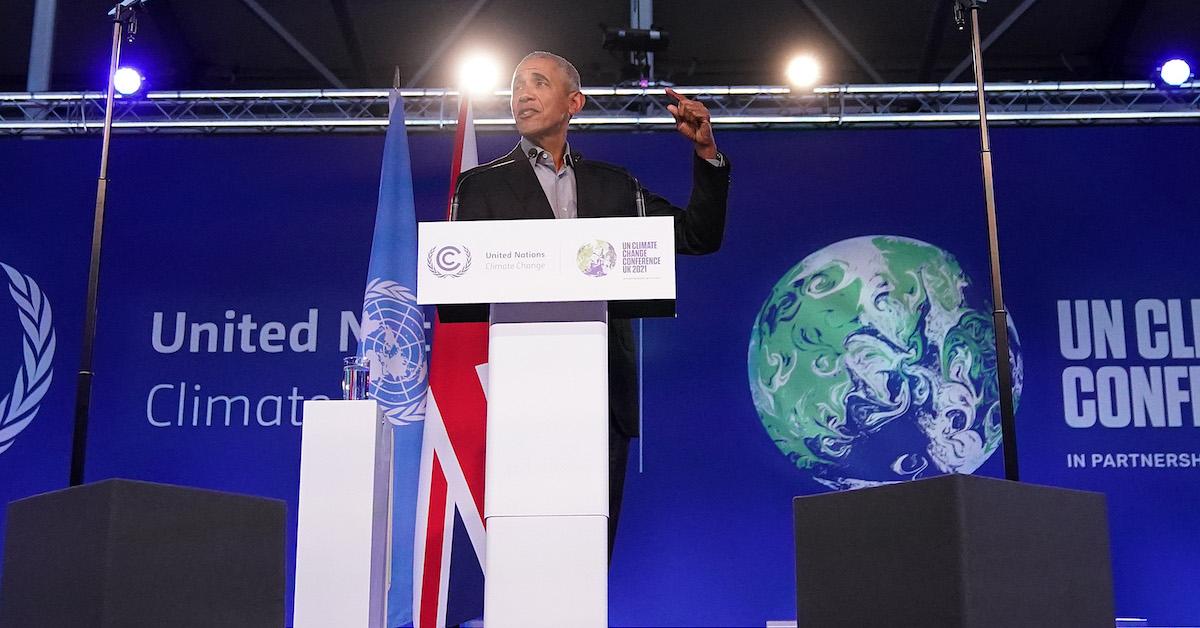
393, 339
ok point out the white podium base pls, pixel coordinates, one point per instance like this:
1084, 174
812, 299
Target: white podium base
546, 499
342, 537
547, 571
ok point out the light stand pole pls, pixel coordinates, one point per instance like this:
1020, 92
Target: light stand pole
1004, 373
124, 19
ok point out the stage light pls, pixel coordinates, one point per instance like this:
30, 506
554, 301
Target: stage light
636, 39
128, 81
1175, 72
478, 73
803, 71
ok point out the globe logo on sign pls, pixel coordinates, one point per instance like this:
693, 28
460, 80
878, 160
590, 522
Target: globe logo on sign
19, 407
393, 339
596, 258
873, 361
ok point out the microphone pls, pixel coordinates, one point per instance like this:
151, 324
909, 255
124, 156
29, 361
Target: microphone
468, 175
639, 200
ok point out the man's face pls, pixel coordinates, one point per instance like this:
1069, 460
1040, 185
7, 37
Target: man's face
542, 99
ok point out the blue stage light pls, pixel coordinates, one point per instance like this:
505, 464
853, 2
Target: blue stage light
1175, 72
128, 81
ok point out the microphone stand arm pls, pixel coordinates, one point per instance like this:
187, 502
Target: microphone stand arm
1004, 372
124, 21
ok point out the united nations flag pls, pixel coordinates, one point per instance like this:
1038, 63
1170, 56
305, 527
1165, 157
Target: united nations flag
392, 337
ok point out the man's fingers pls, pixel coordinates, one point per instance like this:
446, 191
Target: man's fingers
691, 117
697, 112
686, 109
685, 115
677, 96
694, 108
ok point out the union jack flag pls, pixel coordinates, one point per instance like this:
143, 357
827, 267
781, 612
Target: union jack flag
448, 582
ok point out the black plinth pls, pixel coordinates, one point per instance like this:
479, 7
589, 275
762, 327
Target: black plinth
955, 551
125, 553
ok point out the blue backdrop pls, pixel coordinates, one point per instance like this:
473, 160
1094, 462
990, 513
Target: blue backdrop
278, 228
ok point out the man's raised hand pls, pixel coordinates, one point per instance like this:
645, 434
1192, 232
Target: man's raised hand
693, 121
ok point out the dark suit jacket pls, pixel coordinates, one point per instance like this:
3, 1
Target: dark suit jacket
507, 189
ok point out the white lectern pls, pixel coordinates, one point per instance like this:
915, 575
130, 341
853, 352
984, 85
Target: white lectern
342, 536
551, 285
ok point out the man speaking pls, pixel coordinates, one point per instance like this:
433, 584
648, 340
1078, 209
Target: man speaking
543, 178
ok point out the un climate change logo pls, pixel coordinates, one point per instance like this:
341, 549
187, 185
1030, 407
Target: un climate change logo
18, 408
596, 258
448, 261
393, 339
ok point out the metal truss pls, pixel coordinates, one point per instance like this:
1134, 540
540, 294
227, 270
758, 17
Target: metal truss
773, 107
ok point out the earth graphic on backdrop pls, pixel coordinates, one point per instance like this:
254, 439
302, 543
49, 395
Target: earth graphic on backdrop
873, 361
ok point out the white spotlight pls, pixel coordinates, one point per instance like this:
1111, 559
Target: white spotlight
127, 81
803, 71
1175, 72
478, 73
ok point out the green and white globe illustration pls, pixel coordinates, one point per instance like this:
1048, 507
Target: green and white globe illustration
873, 361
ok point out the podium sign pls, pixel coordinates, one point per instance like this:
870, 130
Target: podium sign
552, 285
529, 261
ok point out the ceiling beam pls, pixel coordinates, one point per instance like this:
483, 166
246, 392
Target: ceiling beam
934, 38
41, 47
447, 41
1110, 59
813, 8
182, 54
350, 38
294, 43
990, 39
